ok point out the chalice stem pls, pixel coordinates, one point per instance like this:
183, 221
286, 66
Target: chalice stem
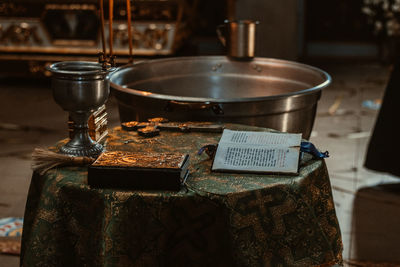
81, 121
81, 128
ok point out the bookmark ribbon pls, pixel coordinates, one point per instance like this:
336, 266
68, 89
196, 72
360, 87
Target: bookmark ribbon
310, 148
209, 149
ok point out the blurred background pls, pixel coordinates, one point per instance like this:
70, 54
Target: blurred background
38, 32
356, 42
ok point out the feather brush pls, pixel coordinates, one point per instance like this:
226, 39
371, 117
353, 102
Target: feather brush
44, 160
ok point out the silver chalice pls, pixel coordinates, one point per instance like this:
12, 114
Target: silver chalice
80, 88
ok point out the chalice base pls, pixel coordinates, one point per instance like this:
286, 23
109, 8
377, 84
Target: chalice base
82, 146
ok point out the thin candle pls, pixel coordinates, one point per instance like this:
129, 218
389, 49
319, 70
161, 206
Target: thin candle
128, 12
103, 38
110, 19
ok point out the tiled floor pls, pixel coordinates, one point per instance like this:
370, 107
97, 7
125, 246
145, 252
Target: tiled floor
368, 215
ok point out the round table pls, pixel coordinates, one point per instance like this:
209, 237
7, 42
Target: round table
216, 219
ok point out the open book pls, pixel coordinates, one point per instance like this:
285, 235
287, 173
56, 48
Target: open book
261, 152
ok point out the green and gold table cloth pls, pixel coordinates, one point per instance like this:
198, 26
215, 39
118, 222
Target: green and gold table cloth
217, 219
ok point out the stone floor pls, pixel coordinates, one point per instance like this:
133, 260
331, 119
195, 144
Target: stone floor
367, 206
367, 209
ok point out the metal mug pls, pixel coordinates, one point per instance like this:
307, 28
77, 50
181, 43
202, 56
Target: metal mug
239, 37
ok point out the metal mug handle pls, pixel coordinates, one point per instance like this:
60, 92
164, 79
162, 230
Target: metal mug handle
221, 37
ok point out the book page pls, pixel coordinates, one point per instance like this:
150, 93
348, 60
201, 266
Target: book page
260, 138
256, 159
257, 152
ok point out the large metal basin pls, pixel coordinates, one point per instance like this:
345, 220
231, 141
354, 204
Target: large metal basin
265, 92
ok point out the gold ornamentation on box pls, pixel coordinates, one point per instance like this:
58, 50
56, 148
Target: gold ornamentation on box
97, 123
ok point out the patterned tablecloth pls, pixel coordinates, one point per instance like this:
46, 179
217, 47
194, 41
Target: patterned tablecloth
218, 219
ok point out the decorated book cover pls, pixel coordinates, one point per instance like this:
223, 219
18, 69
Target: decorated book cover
141, 171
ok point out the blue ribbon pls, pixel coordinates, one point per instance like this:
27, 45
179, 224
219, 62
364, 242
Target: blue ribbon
209, 149
310, 148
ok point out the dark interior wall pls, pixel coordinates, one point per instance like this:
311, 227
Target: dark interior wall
280, 32
338, 29
336, 20
294, 29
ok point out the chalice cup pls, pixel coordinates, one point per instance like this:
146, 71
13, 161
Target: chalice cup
80, 88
